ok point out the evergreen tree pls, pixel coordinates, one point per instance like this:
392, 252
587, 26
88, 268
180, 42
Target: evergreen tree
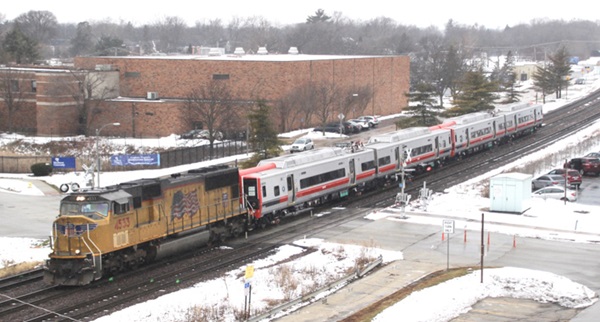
109, 46
425, 111
560, 68
82, 43
20, 47
543, 80
263, 137
476, 94
319, 16
511, 87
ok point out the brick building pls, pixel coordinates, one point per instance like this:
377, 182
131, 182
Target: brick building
147, 94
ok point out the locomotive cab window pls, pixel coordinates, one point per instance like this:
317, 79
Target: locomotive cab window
93, 210
120, 207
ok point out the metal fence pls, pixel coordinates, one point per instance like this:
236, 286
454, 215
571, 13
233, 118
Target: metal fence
201, 153
20, 164
168, 159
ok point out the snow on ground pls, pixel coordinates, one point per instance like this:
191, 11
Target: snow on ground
462, 202
499, 282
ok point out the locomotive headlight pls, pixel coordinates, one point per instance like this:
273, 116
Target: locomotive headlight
77, 252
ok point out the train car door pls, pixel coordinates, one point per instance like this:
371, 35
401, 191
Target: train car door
352, 172
252, 195
291, 189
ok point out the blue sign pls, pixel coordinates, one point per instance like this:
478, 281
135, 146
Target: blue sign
63, 162
135, 159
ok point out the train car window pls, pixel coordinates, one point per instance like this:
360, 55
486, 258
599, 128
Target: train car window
264, 191
251, 191
276, 191
289, 183
384, 160
321, 178
365, 166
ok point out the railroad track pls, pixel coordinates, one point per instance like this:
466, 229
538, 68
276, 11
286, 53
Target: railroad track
106, 296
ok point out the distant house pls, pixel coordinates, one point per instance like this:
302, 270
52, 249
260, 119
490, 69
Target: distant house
525, 70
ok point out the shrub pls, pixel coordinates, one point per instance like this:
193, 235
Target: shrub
41, 169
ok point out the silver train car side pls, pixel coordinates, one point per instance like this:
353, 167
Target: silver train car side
291, 183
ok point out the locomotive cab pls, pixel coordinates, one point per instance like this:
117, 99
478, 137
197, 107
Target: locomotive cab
78, 235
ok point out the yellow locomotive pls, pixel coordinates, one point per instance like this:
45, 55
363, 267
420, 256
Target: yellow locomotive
119, 227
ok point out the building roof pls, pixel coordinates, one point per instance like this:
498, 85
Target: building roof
248, 57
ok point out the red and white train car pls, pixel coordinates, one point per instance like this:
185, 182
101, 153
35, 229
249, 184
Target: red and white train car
292, 182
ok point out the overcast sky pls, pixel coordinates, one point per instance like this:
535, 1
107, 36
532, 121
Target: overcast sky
422, 14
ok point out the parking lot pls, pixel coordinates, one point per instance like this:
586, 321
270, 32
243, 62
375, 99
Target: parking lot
588, 192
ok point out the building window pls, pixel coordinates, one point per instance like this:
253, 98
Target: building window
33, 86
132, 74
14, 85
220, 76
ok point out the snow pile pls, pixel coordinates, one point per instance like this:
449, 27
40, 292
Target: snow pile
456, 296
283, 276
19, 250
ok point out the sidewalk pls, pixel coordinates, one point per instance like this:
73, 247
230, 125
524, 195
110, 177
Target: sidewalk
44, 187
364, 292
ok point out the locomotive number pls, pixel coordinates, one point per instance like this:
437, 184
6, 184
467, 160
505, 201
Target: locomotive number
122, 223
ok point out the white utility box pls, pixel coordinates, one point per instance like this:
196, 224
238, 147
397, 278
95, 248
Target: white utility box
510, 192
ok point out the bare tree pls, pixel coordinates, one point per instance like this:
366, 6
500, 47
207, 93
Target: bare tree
11, 93
326, 96
355, 100
212, 105
170, 33
38, 25
88, 89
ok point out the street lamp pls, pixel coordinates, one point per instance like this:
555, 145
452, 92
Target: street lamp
354, 96
97, 154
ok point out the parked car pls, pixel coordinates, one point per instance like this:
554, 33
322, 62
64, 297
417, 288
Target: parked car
556, 192
330, 127
372, 120
302, 144
547, 180
593, 155
364, 124
201, 134
585, 165
353, 127
574, 178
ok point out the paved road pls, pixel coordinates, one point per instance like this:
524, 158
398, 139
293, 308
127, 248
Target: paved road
425, 252
28, 216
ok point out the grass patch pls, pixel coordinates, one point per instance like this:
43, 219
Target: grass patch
16, 269
368, 313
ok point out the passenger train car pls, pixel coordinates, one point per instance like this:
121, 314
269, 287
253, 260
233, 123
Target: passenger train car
119, 227
290, 183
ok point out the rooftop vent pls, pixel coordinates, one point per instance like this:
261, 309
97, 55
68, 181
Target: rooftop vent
239, 51
152, 96
293, 51
262, 51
